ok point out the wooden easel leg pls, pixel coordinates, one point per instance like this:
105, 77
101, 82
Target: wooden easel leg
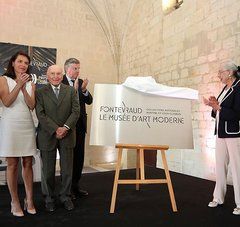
142, 164
115, 185
169, 182
137, 167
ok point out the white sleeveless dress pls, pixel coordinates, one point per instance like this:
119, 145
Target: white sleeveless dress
17, 130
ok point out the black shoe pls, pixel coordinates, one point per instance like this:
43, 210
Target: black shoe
76, 192
82, 193
68, 204
50, 206
73, 196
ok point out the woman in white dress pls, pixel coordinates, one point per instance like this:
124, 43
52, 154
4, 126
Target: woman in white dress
17, 131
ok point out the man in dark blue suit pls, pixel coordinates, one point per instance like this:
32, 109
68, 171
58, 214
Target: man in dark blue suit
72, 70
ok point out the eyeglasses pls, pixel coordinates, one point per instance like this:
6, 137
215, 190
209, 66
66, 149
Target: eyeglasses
220, 72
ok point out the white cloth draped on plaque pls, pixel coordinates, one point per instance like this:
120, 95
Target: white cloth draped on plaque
148, 85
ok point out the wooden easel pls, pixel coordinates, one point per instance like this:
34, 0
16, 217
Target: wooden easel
140, 171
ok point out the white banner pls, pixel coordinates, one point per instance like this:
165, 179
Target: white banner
124, 115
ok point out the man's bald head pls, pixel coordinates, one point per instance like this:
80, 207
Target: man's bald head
54, 75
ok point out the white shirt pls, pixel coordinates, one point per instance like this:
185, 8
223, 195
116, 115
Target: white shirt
54, 87
72, 84
70, 81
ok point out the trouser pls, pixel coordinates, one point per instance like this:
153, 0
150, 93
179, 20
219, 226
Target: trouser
78, 158
48, 173
227, 152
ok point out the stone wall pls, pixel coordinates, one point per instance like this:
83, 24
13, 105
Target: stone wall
119, 38
72, 28
184, 48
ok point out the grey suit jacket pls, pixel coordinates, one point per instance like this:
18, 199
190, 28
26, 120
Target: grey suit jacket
54, 112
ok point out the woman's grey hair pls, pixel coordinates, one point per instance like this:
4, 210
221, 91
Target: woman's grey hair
230, 65
69, 62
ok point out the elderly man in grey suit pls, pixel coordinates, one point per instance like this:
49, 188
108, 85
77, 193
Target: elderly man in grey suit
57, 109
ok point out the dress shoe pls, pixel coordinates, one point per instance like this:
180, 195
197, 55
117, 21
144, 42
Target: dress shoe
214, 203
82, 193
50, 206
26, 207
236, 211
68, 204
78, 193
14, 211
73, 196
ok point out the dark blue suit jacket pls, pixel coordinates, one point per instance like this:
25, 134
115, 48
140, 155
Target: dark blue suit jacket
83, 100
229, 115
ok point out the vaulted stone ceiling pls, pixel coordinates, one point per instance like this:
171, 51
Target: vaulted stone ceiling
113, 16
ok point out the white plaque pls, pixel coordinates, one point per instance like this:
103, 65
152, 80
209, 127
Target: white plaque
124, 115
